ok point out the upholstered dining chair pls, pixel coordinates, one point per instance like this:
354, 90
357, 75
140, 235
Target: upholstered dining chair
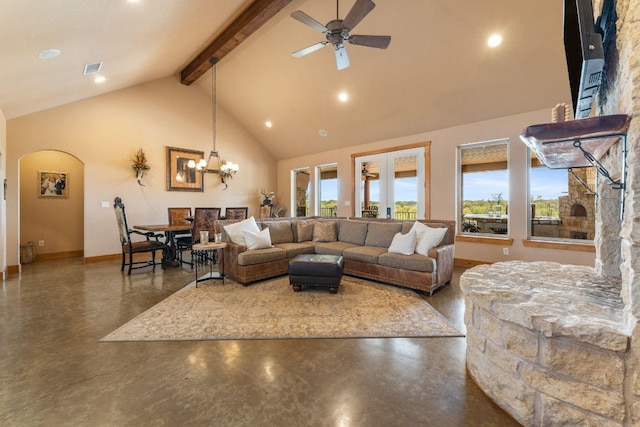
203, 220
151, 242
236, 213
182, 240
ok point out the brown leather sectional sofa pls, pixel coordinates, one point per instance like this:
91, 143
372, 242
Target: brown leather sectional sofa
362, 242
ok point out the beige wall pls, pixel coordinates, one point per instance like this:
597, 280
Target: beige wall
444, 145
56, 221
104, 132
3, 204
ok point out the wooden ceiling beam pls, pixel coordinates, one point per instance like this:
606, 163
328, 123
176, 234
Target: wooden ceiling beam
254, 17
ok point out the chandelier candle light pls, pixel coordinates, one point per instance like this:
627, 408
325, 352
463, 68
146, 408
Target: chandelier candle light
225, 169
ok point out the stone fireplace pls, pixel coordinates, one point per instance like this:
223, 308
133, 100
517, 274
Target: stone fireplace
557, 344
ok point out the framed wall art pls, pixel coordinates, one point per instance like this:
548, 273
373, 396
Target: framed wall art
180, 176
53, 184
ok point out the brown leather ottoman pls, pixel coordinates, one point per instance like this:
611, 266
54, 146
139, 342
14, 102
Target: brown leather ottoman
316, 270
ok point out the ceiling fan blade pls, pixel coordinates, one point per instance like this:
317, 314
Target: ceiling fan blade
307, 50
342, 59
307, 20
380, 42
357, 13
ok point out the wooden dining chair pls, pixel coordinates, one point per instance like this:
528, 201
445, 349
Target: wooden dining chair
151, 243
236, 213
181, 240
203, 220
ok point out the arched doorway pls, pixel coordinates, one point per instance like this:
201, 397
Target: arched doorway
52, 204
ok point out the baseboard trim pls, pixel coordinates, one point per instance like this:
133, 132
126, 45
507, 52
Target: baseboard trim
100, 258
59, 255
468, 263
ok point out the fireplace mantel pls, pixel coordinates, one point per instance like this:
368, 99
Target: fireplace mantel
554, 143
581, 143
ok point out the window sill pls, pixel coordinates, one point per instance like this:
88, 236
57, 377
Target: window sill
561, 245
489, 240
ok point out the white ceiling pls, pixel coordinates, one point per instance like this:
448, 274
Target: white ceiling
438, 71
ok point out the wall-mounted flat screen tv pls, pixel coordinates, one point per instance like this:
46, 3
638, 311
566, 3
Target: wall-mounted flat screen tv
585, 56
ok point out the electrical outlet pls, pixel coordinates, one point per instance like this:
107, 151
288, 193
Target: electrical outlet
41, 243
105, 204
505, 251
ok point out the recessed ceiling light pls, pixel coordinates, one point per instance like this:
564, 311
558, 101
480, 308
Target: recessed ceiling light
323, 133
268, 123
49, 53
494, 40
99, 79
343, 97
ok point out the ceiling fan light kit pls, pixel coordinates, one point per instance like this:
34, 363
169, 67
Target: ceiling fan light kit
337, 32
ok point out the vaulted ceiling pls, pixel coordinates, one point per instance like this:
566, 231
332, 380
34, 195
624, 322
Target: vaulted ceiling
438, 71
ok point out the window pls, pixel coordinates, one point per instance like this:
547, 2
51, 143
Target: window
483, 188
327, 179
391, 184
301, 189
562, 202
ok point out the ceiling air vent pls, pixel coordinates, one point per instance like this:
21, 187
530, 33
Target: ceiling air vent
92, 68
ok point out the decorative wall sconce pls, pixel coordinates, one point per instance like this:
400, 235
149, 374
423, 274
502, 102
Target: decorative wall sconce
215, 164
140, 165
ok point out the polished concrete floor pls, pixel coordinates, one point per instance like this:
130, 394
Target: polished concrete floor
55, 372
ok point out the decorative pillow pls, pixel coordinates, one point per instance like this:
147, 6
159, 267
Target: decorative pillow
280, 231
381, 234
404, 244
260, 240
304, 230
324, 232
353, 232
427, 237
234, 231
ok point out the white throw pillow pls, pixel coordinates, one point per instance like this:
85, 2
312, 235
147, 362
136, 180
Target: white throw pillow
260, 240
403, 244
234, 231
427, 237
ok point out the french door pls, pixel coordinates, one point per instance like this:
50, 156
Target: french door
391, 185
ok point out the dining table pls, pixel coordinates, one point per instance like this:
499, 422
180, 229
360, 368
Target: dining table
169, 258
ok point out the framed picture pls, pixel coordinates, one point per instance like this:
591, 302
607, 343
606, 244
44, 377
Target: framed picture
181, 177
53, 184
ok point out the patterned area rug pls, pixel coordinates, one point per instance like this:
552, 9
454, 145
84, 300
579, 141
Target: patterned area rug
271, 310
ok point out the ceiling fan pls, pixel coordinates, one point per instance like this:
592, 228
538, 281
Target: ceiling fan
366, 173
337, 32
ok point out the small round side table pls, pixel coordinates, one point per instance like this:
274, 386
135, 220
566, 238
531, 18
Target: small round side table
206, 250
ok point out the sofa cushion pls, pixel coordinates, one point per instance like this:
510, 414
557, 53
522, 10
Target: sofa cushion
280, 231
325, 231
303, 231
381, 234
260, 256
353, 232
261, 240
427, 237
293, 249
368, 254
413, 262
234, 231
404, 244
333, 248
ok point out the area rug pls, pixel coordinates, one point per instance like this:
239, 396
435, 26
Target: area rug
271, 310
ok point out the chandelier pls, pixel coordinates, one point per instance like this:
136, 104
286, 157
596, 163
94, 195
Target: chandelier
215, 163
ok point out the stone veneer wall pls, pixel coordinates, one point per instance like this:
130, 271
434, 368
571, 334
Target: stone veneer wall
617, 261
618, 242
547, 342
578, 195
